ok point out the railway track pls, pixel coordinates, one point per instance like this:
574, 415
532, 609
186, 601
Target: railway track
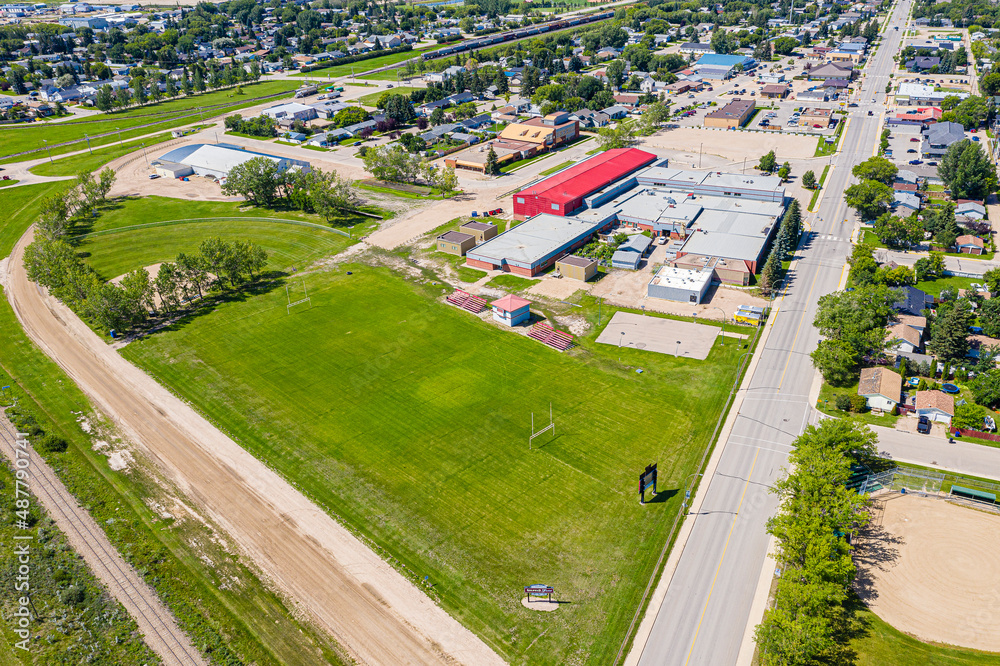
157, 625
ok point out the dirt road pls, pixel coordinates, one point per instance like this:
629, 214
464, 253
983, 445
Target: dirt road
375, 613
158, 626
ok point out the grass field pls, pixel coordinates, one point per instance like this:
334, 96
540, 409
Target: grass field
558, 167
222, 605
87, 161
333, 71
289, 246
935, 287
372, 98
165, 115
409, 419
511, 282
884, 646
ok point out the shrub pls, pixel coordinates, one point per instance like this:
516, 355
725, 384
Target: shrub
73, 595
843, 402
858, 403
53, 443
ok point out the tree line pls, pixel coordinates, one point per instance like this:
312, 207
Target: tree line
785, 242
811, 620
203, 78
260, 182
55, 264
394, 164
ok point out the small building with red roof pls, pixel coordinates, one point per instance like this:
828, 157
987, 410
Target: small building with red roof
565, 191
511, 310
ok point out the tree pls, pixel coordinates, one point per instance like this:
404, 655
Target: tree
991, 279
785, 171
970, 112
104, 99
352, 115
492, 166
392, 164
53, 220
869, 198
989, 317
898, 232
768, 162
809, 180
876, 168
985, 387
621, 136
784, 45
615, 71
950, 331
989, 85
723, 42
256, 180
857, 317
970, 416
837, 362
330, 193
967, 171
437, 116
397, 107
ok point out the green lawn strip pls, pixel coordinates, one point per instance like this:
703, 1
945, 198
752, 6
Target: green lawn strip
466, 274
823, 148
360, 66
511, 282
87, 161
935, 187
511, 167
404, 190
241, 615
560, 167
871, 239
394, 75
828, 405
8, 183
883, 645
408, 419
819, 188
372, 98
165, 115
935, 287
111, 635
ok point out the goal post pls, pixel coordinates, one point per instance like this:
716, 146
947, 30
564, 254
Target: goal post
291, 304
551, 426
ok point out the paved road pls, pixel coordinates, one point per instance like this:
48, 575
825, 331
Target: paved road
956, 264
962, 457
708, 601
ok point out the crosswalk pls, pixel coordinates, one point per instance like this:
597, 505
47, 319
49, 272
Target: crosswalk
831, 238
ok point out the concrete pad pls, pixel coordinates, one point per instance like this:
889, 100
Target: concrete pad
659, 335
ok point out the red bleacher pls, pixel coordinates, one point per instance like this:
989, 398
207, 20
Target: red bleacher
467, 301
547, 335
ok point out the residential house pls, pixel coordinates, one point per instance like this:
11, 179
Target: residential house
939, 136
969, 244
913, 301
969, 208
903, 338
935, 405
906, 202
881, 388
615, 112
922, 63
590, 119
696, 48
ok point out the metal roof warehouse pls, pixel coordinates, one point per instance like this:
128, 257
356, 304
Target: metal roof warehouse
564, 192
534, 245
216, 160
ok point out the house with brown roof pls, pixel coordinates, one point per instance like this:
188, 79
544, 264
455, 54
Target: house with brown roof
881, 388
935, 405
903, 338
969, 244
774, 91
735, 114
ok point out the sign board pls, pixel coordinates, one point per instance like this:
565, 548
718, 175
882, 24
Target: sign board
539, 590
647, 479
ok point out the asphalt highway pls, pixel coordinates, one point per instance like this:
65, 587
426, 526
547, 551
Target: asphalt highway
708, 601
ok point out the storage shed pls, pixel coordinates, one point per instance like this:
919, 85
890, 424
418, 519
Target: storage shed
455, 242
511, 310
577, 268
481, 230
679, 284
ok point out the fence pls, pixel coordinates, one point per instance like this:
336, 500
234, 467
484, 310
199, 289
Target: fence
978, 434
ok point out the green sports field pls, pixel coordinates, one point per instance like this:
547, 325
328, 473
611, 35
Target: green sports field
409, 420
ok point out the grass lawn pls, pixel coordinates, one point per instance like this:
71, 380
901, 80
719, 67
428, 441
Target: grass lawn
519, 164
935, 187
884, 646
827, 404
819, 188
823, 148
372, 98
116, 246
409, 419
558, 167
403, 190
165, 115
935, 287
871, 239
511, 282
223, 605
360, 66
86, 161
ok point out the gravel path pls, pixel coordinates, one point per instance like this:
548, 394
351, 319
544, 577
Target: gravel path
375, 613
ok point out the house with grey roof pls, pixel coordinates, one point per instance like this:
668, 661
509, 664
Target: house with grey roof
939, 136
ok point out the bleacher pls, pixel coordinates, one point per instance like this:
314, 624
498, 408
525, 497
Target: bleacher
544, 333
467, 301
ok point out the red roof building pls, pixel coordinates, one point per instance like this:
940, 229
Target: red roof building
564, 192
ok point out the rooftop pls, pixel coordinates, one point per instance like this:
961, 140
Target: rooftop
590, 175
936, 400
510, 303
533, 239
455, 237
880, 381
681, 278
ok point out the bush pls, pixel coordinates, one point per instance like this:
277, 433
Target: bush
858, 403
73, 595
53, 443
843, 402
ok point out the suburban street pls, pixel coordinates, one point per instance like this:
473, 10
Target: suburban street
708, 601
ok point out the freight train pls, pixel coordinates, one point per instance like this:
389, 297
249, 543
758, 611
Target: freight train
520, 33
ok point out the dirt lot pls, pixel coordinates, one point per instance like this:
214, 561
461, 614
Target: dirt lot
733, 145
933, 571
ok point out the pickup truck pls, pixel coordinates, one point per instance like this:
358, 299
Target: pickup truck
923, 425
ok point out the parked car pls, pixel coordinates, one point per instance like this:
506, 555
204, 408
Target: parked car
932, 164
913, 139
152, 176
916, 162
852, 105
924, 425
912, 150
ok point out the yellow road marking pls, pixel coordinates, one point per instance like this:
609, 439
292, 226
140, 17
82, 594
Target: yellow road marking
724, 549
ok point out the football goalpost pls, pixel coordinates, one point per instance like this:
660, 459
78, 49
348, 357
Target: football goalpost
551, 426
304, 299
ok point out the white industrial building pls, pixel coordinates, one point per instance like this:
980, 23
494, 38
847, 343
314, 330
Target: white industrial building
215, 160
680, 284
292, 111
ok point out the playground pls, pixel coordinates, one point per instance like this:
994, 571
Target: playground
930, 567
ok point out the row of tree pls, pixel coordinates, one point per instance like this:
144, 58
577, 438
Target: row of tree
785, 242
853, 324
142, 90
262, 126
394, 164
59, 212
261, 183
811, 619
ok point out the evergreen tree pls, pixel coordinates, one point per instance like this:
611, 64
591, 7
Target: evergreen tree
492, 165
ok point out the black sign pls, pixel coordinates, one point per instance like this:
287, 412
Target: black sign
648, 478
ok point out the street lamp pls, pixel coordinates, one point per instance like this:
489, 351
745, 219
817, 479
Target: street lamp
695, 314
120, 144
144, 153
687, 490
677, 351
620, 340
46, 142
88, 144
